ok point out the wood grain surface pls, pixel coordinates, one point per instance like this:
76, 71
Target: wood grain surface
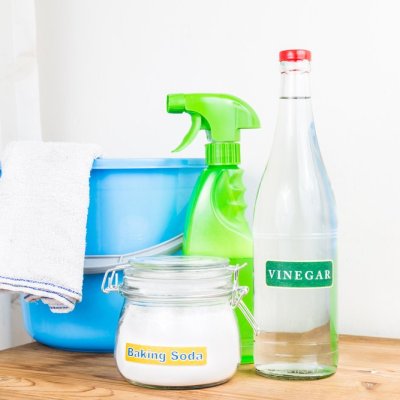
369, 369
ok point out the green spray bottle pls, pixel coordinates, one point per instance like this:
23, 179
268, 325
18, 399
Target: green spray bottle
216, 223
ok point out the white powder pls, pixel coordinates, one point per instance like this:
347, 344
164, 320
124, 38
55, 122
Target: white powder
153, 340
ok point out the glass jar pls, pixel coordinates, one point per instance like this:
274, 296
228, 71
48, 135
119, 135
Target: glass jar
177, 329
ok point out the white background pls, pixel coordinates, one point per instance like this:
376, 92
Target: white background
106, 66
19, 118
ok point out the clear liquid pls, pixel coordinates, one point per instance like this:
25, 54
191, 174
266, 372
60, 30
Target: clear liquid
298, 338
303, 355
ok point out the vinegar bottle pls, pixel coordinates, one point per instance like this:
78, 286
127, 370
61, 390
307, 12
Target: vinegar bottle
295, 242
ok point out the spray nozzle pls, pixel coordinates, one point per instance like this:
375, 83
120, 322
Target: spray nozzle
221, 115
176, 103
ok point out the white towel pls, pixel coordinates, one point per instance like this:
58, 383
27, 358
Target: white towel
44, 200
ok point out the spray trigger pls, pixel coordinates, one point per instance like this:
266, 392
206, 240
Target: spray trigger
197, 123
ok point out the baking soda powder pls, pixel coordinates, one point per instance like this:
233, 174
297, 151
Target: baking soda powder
187, 346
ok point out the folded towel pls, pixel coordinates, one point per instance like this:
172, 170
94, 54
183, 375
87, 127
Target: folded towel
44, 200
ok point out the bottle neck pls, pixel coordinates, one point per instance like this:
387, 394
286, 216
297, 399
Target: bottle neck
295, 117
294, 132
223, 153
295, 80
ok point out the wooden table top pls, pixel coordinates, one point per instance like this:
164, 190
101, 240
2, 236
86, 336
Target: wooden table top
369, 369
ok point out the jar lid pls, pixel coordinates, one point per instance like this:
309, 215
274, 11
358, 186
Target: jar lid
178, 264
170, 278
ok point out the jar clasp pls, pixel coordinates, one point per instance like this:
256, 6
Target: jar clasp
111, 278
237, 298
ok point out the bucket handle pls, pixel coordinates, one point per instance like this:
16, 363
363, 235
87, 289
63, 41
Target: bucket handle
100, 264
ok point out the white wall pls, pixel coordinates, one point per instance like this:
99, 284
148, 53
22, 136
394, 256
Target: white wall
19, 118
106, 66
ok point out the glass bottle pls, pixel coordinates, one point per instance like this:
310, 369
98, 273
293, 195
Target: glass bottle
295, 253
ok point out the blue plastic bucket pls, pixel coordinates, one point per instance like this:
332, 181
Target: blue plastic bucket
135, 204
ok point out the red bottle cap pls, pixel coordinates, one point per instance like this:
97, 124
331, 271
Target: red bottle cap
295, 55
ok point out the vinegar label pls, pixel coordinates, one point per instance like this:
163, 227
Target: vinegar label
299, 274
160, 355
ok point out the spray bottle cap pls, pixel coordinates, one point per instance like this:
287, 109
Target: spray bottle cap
222, 116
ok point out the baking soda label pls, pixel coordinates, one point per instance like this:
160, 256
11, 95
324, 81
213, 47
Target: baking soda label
299, 274
159, 355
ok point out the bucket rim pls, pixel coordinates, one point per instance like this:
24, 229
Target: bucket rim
147, 163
